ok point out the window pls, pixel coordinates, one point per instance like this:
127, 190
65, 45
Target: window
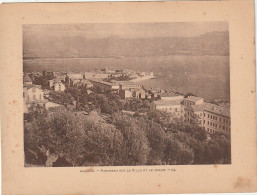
211, 123
40, 96
223, 120
34, 97
223, 127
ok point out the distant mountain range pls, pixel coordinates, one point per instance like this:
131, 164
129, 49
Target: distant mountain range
72, 46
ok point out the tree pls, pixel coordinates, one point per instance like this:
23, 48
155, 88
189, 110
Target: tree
135, 140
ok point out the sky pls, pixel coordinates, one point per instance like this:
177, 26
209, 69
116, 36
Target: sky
127, 30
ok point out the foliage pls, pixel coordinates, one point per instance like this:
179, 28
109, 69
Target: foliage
43, 80
69, 138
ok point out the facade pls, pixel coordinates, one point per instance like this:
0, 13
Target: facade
124, 85
193, 100
212, 117
59, 86
32, 95
139, 93
73, 76
170, 106
171, 96
82, 82
124, 94
51, 84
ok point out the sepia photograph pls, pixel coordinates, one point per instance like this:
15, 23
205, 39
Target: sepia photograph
126, 94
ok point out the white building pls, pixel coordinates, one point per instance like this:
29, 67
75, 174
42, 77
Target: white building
193, 100
170, 106
171, 96
58, 86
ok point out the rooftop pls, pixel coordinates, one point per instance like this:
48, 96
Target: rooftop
193, 98
27, 78
167, 102
210, 108
168, 94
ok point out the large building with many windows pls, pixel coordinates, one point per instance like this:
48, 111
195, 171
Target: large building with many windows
212, 117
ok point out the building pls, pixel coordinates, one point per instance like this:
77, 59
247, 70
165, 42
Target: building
106, 86
32, 95
124, 94
27, 80
124, 85
212, 117
81, 82
193, 100
51, 84
139, 93
59, 86
171, 96
170, 106
73, 76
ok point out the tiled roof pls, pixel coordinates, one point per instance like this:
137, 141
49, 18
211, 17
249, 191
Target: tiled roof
210, 108
217, 109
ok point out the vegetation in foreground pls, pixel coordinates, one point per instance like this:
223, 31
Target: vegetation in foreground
67, 138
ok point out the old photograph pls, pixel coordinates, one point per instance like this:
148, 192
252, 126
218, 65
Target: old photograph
126, 94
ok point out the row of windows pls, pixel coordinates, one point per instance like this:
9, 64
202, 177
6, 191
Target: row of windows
210, 130
216, 118
175, 109
188, 113
223, 127
34, 97
188, 103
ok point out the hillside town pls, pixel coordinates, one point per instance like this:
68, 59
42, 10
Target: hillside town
43, 88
